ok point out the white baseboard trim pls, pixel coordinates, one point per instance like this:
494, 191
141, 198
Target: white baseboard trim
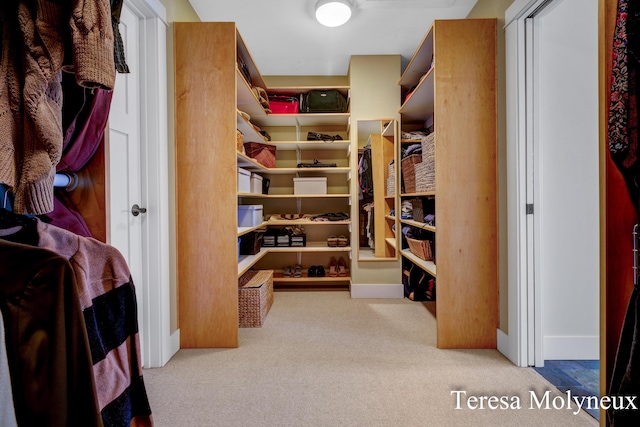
174, 343
387, 290
503, 345
571, 348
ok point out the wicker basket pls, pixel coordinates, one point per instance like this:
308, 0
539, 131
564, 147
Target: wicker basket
255, 297
409, 172
391, 186
264, 154
417, 214
425, 177
421, 248
428, 146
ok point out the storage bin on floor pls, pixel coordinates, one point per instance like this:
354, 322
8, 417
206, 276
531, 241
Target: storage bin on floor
255, 297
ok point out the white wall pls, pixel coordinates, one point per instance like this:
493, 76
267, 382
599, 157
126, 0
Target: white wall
566, 199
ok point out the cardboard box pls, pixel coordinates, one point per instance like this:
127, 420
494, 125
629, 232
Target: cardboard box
256, 183
249, 215
311, 185
244, 181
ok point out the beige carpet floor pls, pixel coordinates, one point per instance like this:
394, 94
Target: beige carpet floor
324, 359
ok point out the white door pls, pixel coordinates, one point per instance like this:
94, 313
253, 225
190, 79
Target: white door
564, 89
124, 162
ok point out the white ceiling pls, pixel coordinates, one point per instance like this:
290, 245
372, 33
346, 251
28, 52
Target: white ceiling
285, 39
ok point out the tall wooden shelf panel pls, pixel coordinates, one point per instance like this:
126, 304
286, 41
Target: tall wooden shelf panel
206, 182
454, 75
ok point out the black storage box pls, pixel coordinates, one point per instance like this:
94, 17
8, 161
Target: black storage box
250, 243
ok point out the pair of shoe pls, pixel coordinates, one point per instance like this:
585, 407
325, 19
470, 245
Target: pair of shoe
338, 268
340, 241
296, 271
316, 271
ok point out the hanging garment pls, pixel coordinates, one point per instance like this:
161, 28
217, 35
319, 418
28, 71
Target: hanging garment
7, 411
47, 346
84, 116
107, 298
37, 37
366, 175
624, 151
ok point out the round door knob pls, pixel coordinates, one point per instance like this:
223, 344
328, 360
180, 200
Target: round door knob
137, 210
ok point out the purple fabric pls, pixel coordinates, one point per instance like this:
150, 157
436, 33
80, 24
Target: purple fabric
85, 114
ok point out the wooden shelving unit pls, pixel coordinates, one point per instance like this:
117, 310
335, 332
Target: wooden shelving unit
206, 185
453, 78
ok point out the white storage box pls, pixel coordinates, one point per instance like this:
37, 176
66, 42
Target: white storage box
244, 181
249, 215
315, 185
256, 183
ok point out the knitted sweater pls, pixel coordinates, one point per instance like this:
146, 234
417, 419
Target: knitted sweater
34, 43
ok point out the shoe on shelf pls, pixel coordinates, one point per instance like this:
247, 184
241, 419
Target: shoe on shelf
287, 272
343, 271
333, 268
312, 272
332, 241
320, 271
342, 241
297, 271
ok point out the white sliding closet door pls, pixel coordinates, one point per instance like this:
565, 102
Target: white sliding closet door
566, 174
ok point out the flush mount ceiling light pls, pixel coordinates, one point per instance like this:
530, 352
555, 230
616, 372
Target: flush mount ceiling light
333, 13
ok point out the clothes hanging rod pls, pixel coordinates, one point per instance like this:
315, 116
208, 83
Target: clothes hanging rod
68, 181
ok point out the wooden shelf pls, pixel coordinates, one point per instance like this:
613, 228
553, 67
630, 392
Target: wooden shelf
391, 242
428, 266
247, 261
311, 145
418, 224
320, 119
422, 194
296, 90
244, 230
277, 278
419, 63
311, 247
420, 106
293, 196
311, 223
250, 164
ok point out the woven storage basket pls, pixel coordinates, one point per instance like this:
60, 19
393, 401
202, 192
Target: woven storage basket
417, 214
421, 248
428, 146
391, 186
409, 172
264, 154
425, 177
425, 171
255, 297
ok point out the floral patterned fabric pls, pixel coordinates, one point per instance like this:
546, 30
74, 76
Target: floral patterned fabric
619, 101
